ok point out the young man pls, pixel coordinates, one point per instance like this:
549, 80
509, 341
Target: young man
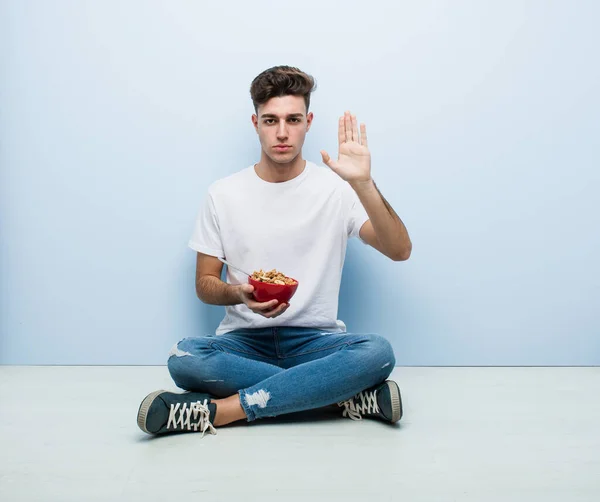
284, 213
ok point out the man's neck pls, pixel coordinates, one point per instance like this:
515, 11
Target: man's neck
273, 172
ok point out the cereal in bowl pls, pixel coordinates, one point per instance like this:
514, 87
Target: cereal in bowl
272, 277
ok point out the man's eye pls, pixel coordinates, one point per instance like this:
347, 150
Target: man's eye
294, 120
269, 121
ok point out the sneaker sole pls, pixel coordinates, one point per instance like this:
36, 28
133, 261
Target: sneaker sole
396, 401
144, 407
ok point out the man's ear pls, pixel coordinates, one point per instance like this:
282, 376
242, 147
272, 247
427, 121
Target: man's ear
255, 122
309, 119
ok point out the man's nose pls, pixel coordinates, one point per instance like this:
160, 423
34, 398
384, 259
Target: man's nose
282, 130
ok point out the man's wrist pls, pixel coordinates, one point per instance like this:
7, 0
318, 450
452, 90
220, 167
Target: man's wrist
363, 185
237, 293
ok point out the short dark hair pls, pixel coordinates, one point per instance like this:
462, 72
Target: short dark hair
281, 81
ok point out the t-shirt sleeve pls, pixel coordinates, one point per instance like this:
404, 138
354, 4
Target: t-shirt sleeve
357, 215
206, 237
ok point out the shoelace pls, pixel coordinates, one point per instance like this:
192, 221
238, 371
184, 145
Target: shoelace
195, 415
367, 404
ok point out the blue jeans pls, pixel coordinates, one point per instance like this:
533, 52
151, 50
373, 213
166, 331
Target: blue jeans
281, 370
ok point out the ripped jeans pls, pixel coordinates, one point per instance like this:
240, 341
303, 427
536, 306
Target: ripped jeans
281, 370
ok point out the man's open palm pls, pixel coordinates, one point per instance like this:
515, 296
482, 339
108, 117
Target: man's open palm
354, 159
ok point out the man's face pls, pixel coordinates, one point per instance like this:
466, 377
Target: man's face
282, 124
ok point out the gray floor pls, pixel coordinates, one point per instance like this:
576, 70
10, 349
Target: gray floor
469, 434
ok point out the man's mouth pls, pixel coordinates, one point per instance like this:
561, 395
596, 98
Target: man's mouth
282, 148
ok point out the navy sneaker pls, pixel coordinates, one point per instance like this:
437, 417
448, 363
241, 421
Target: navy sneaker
382, 401
163, 412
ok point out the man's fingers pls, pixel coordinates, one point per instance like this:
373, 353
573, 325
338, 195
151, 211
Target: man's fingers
262, 307
348, 126
363, 135
278, 311
327, 160
354, 129
348, 129
266, 306
268, 309
341, 131
247, 288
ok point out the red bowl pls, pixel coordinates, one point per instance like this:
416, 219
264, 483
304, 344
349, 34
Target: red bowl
265, 292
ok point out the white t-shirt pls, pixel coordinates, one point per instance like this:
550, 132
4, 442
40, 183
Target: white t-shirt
299, 227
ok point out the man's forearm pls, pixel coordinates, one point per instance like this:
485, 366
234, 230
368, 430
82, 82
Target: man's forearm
388, 226
214, 291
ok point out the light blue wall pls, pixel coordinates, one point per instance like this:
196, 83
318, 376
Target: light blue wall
483, 123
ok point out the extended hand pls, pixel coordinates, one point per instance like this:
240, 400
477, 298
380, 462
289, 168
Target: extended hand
354, 158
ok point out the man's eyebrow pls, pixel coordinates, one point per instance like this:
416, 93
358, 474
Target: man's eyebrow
273, 116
